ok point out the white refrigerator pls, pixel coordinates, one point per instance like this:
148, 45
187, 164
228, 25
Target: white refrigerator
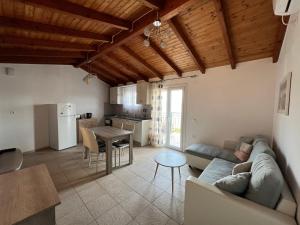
62, 125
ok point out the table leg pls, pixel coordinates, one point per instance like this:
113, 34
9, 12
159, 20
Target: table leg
179, 171
156, 170
108, 144
172, 172
130, 149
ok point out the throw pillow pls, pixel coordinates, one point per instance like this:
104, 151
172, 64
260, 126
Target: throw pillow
243, 152
247, 148
242, 156
241, 168
235, 184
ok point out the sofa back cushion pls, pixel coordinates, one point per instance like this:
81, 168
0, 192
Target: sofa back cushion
261, 146
266, 182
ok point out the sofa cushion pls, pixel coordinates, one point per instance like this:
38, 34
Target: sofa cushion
261, 147
244, 139
235, 184
216, 169
266, 182
210, 152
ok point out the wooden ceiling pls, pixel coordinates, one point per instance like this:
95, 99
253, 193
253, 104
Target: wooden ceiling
106, 36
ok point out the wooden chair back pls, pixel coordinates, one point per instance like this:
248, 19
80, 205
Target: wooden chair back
89, 140
117, 124
129, 127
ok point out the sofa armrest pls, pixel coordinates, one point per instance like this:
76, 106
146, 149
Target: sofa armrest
206, 204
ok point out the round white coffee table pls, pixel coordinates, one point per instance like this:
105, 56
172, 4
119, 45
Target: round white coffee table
172, 160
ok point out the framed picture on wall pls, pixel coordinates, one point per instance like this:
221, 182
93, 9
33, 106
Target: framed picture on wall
284, 95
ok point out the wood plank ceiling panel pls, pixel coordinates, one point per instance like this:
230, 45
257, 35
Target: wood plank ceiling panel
253, 27
126, 57
202, 27
121, 9
176, 51
150, 56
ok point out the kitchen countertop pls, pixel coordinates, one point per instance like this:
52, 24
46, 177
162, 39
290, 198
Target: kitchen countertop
128, 118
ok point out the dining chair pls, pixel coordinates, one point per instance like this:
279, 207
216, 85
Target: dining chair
116, 124
121, 145
94, 147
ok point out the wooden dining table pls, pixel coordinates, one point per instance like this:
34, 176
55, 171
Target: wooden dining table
109, 135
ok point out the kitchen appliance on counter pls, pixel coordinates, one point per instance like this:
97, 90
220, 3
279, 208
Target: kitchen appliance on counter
88, 115
62, 125
108, 122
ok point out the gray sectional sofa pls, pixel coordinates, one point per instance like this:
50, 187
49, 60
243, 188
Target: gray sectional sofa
267, 199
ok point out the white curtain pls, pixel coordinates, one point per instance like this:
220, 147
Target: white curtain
157, 134
128, 95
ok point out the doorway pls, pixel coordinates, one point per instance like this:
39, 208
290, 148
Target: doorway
172, 111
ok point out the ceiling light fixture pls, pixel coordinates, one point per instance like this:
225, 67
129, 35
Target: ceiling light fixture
90, 75
155, 31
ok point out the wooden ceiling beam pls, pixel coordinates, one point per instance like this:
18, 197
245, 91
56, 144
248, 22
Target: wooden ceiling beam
99, 75
127, 66
37, 60
219, 5
163, 55
103, 66
142, 61
279, 39
153, 4
170, 9
46, 28
182, 37
42, 43
40, 53
81, 11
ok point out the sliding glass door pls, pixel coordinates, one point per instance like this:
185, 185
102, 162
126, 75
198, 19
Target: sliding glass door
172, 111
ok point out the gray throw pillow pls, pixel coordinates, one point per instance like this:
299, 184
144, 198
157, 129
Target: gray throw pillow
235, 184
266, 182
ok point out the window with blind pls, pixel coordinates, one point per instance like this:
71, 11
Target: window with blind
128, 95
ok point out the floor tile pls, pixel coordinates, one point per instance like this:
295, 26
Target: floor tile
78, 217
134, 205
171, 206
68, 205
115, 216
91, 191
152, 216
100, 205
150, 192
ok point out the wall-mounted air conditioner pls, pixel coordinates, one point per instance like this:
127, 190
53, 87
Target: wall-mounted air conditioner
286, 7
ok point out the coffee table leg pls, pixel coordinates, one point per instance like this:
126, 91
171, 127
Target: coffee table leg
179, 171
172, 171
156, 169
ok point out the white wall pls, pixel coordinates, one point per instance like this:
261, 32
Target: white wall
23, 118
224, 104
287, 128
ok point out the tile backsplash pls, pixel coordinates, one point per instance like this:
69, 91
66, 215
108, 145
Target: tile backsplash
135, 111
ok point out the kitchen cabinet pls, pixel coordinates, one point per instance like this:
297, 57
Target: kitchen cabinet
141, 132
143, 93
114, 95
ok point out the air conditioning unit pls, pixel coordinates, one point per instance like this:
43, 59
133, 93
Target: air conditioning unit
286, 7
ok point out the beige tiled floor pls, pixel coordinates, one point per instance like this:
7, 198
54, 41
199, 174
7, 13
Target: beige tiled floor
129, 196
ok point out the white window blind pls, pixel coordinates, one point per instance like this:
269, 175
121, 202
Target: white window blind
128, 95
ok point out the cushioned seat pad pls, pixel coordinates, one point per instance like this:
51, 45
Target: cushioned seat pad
216, 169
210, 152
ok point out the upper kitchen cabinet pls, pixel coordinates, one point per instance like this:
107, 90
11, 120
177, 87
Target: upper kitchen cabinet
131, 94
114, 95
143, 93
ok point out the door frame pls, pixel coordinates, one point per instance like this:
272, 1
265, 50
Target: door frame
183, 117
